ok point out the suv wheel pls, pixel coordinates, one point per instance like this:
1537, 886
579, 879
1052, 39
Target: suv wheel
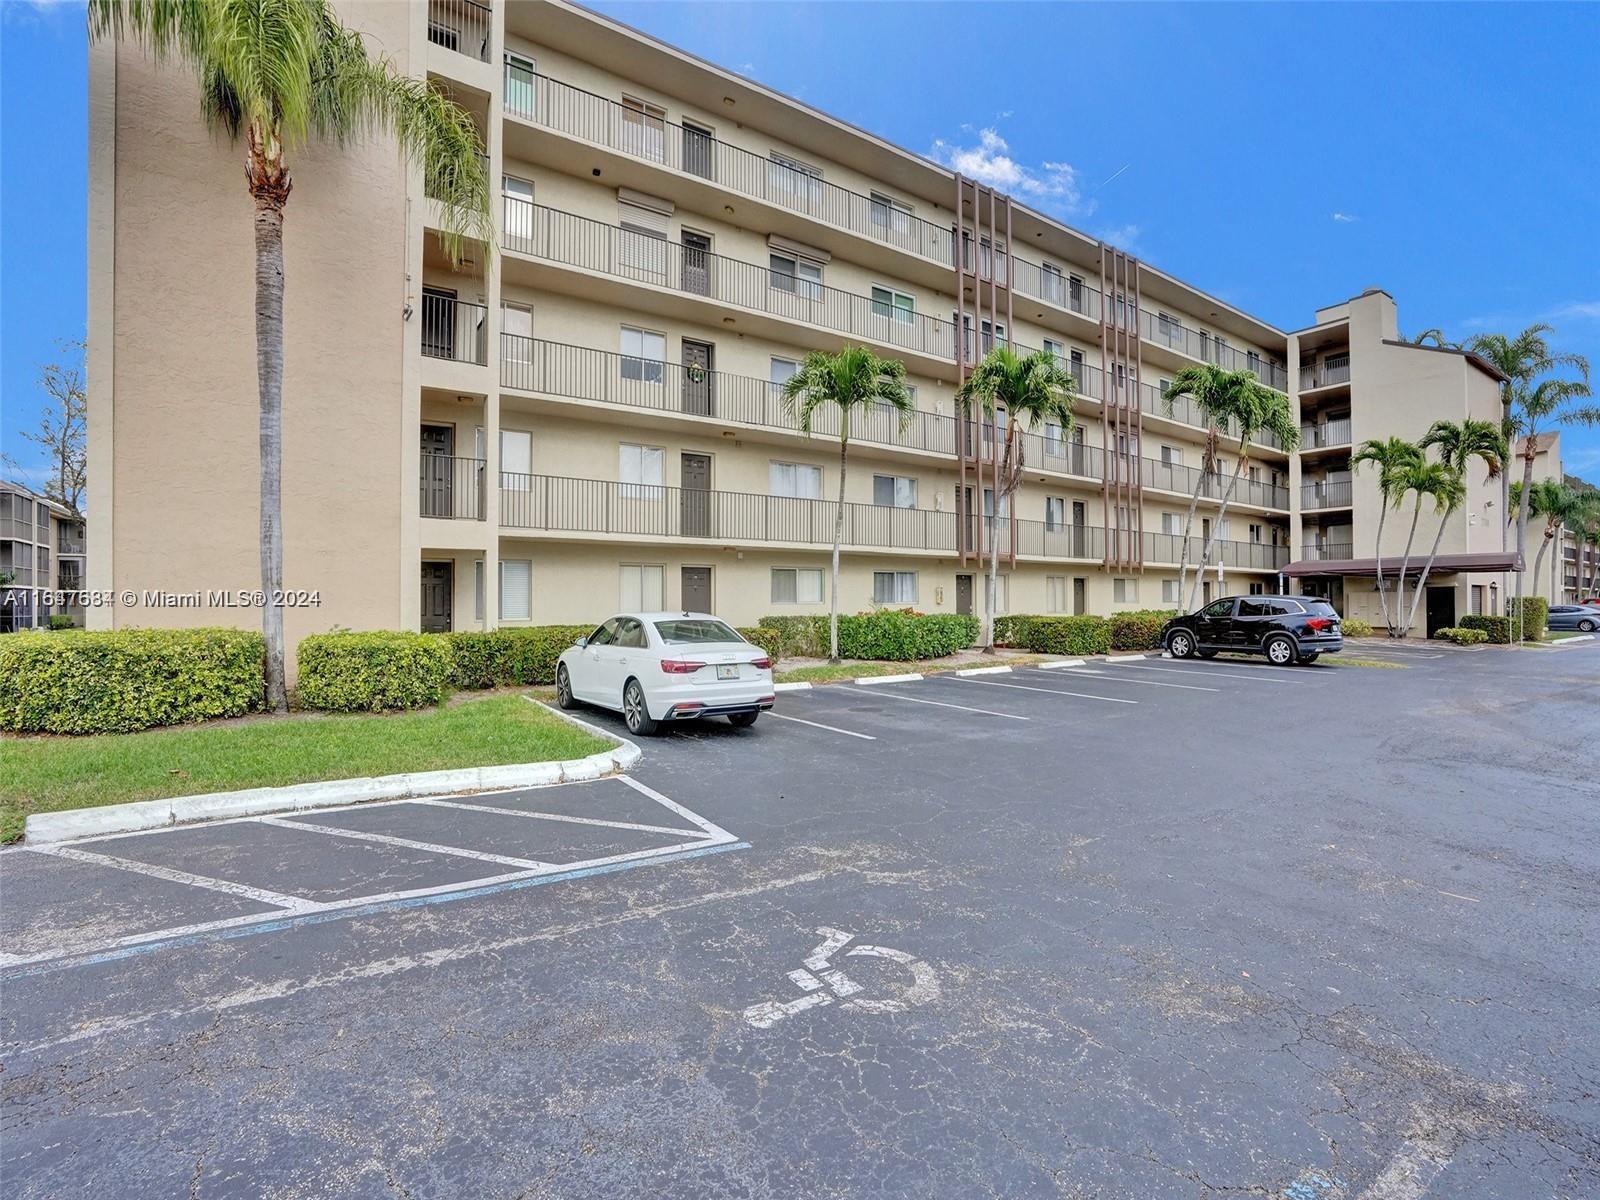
1280, 650
564, 688
1180, 644
635, 712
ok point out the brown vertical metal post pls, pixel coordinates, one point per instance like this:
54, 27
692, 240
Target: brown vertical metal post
1010, 333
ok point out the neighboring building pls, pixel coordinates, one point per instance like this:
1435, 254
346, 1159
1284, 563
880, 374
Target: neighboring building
41, 557
588, 417
1357, 381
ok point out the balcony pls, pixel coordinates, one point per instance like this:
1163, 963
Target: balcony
17, 528
452, 488
1325, 494
1332, 370
1329, 433
1175, 477
461, 25
454, 329
684, 148
1328, 551
573, 241
1193, 343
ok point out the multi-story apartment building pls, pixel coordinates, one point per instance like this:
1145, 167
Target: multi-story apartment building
587, 416
41, 560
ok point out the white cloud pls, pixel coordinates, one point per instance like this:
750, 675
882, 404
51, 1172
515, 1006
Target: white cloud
1123, 237
1052, 185
1344, 218
1578, 310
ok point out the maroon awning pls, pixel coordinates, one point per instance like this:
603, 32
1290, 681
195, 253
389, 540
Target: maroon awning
1492, 563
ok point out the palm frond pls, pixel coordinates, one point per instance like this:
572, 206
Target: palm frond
846, 383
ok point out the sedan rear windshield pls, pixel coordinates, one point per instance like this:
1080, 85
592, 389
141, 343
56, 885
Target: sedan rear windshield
683, 631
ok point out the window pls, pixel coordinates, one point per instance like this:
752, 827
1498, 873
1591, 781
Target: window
646, 223
1255, 474
1052, 437
886, 302
796, 480
477, 589
1075, 365
643, 588
643, 354
517, 195
1056, 349
894, 587
1171, 456
894, 491
516, 459
516, 589
519, 85
1055, 593
639, 469
644, 129
631, 634
1169, 329
1075, 293
1125, 591
1258, 589
1055, 512
1052, 284
1169, 524
796, 585
1169, 591
889, 216
792, 181
781, 370
1218, 608
680, 631
988, 504
798, 276
993, 334
1255, 534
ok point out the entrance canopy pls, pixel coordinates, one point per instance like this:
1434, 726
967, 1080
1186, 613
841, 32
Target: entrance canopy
1492, 563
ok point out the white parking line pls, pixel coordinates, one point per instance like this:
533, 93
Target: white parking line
1121, 677
540, 816
866, 737
1022, 687
1257, 676
526, 864
94, 859
941, 704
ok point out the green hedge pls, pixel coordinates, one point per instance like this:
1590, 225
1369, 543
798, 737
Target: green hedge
509, 657
1140, 629
767, 639
121, 680
1356, 627
1063, 635
370, 672
1462, 637
1498, 629
1535, 615
894, 634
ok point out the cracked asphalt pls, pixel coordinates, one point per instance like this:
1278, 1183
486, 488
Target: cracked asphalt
1318, 933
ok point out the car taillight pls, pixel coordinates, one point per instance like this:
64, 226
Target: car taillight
674, 666
1319, 624
764, 664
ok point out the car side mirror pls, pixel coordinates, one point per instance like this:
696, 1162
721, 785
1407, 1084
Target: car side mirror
581, 642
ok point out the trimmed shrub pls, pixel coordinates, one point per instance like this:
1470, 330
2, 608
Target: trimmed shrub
1356, 627
799, 636
1462, 637
117, 681
509, 657
1535, 616
1497, 629
60, 621
370, 672
1068, 635
894, 634
767, 639
1139, 630
1011, 630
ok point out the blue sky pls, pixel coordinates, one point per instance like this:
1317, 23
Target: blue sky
1282, 157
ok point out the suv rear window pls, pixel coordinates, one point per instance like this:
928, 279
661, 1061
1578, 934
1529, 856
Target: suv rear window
681, 631
1319, 608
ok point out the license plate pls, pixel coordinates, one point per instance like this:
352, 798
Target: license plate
728, 671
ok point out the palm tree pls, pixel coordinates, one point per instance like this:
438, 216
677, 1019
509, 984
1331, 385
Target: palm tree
1425, 479
1585, 526
1392, 457
1558, 505
283, 72
1030, 391
1459, 444
847, 383
1441, 481
1436, 336
1225, 399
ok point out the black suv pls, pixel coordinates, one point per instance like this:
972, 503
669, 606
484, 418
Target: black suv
1286, 629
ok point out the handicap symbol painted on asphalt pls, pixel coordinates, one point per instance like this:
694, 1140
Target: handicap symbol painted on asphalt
824, 983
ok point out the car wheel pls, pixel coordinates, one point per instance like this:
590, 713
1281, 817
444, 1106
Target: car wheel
1307, 659
742, 720
1280, 650
634, 711
564, 688
1588, 626
1180, 644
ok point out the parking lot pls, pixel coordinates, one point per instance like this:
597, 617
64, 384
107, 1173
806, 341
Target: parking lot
1139, 928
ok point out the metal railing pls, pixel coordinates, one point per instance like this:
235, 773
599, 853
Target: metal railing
1331, 370
1056, 288
629, 130
1194, 343
461, 25
576, 241
1326, 494
1328, 551
452, 488
1249, 556
69, 543
454, 329
1329, 433
1175, 477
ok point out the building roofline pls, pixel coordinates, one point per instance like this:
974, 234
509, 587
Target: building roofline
1477, 360
911, 156
55, 506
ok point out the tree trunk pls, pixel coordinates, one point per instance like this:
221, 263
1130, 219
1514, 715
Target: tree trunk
1405, 562
838, 536
1538, 559
269, 187
1188, 526
1377, 550
1216, 530
1528, 455
1422, 580
1002, 497
1508, 429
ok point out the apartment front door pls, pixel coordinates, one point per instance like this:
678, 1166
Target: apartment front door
964, 595
1441, 609
438, 475
696, 263
439, 322
698, 395
697, 144
437, 580
696, 589
695, 496
1080, 596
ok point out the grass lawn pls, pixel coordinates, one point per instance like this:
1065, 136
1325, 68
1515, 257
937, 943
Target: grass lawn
47, 774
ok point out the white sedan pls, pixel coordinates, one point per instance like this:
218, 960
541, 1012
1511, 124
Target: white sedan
655, 667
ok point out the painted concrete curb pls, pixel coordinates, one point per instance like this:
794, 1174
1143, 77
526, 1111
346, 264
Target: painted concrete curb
1571, 641
1112, 658
333, 793
869, 680
984, 671
1060, 664
791, 687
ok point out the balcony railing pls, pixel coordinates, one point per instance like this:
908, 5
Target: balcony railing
461, 25
1327, 494
576, 241
1329, 433
1248, 556
452, 488
1197, 344
694, 151
1327, 551
21, 575
69, 543
1331, 370
454, 329
1175, 477
19, 528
